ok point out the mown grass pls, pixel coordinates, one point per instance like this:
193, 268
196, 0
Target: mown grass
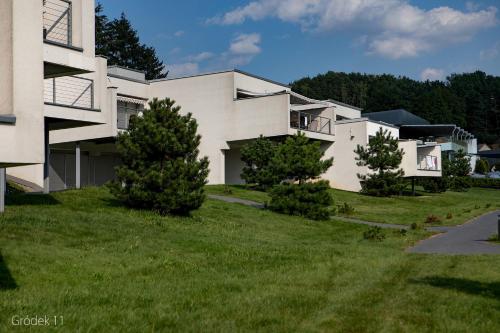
451, 208
105, 268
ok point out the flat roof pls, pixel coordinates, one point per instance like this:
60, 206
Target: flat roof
344, 104
225, 71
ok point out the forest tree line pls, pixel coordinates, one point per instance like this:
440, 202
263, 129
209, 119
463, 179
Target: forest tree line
470, 100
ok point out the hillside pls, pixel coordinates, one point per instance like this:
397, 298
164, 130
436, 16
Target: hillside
470, 100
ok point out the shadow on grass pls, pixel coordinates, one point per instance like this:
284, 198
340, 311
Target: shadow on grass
486, 289
31, 200
6, 280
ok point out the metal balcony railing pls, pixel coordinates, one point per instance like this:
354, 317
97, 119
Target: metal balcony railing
427, 163
57, 21
70, 91
125, 112
309, 122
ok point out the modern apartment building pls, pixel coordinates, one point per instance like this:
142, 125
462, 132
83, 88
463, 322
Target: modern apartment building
62, 107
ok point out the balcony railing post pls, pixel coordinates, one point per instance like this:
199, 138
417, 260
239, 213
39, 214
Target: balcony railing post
70, 23
92, 95
54, 90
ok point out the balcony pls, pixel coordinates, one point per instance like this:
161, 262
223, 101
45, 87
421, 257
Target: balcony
127, 110
309, 122
70, 91
428, 163
58, 22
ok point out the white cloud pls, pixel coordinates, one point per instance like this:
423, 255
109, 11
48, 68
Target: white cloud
245, 44
491, 53
471, 6
432, 74
396, 28
179, 33
201, 56
184, 69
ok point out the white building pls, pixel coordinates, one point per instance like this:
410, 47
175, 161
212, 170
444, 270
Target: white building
55, 90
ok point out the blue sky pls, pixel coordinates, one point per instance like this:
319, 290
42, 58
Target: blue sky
287, 39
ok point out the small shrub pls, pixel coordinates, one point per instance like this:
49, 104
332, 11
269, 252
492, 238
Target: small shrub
449, 216
414, 226
477, 206
488, 205
434, 184
345, 209
400, 232
311, 200
467, 210
227, 190
374, 233
432, 219
482, 167
485, 182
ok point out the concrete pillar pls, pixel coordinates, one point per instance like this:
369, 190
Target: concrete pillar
77, 166
3, 189
46, 165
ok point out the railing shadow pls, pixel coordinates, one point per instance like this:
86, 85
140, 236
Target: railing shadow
7, 282
29, 199
485, 289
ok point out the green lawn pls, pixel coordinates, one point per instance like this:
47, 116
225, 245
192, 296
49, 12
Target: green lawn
462, 206
105, 268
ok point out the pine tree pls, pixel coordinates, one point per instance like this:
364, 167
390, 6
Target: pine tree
161, 170
458, 171
299, 159
383, 157
119, 42
257, 157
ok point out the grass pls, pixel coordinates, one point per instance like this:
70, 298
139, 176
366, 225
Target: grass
451, 208
105, 268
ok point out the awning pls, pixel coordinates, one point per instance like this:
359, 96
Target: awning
127, 99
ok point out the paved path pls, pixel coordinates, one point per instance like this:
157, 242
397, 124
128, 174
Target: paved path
338, 218
468, 238
236, 200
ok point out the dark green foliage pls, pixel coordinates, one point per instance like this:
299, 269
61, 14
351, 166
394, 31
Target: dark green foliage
485, 182
161, 170
432, 219
470, 100
346, 209
382, 157
457, 171
374, 234
482, 167
299, 159
434, 184
311, 200
119, 42
258, 170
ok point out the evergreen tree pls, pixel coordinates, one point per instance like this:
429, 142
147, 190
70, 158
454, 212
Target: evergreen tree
258, 170
161, 170
119, 42
383, 157
299, 159
458, 171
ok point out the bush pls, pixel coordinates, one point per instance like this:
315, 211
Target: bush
460, 183
449, 216
434, 184
161, 170
374, 233
345, 209
485, 182
457, 171
414, 226
311, 200
482, 167
432, 219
